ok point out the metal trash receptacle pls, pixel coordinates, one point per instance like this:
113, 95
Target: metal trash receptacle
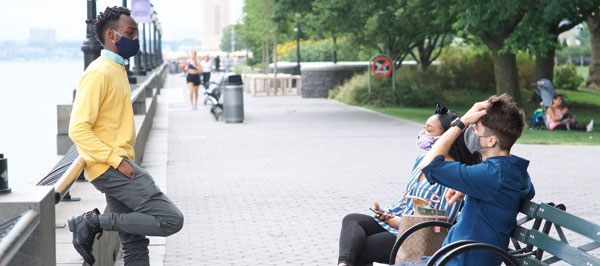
233, 100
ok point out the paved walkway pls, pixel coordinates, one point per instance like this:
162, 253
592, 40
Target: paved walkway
273, 190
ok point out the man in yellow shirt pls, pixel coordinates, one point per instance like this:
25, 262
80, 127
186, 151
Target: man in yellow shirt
102, 128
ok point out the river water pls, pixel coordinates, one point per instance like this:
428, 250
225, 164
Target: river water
29, 93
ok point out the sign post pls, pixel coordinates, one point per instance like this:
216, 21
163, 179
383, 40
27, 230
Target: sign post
382, 67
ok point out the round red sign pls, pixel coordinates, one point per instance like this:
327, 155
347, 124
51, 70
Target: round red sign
381, 66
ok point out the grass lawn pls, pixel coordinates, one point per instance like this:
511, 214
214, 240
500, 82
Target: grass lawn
585, 106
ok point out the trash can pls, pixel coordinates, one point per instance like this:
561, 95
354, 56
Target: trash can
233, 100
3, 175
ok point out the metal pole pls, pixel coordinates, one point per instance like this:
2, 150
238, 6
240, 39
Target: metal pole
138, 68
232, 38
145, 62
91, 46
132, 79
150, 47
155, 43
298, 72
3, 175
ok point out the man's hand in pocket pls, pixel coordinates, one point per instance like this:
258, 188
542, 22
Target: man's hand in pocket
126, 169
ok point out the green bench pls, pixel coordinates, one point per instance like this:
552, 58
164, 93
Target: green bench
528, 243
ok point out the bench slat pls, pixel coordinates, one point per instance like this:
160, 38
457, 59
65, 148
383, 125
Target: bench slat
528, 208
562, 250
521, 234
569, 221
530, 261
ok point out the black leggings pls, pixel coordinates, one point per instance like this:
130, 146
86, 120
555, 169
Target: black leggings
364, 241
572, 126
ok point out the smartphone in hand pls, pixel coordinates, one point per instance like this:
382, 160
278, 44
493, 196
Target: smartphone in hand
380, 212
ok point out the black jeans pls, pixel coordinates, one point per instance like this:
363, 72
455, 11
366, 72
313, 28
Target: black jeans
205, 79
364, 241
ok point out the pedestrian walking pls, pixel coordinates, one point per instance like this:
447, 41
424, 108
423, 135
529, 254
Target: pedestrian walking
207, 67
102, 128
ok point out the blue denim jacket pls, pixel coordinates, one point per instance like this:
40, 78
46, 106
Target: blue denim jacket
494, 190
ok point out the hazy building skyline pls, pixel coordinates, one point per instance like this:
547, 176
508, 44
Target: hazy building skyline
215, 16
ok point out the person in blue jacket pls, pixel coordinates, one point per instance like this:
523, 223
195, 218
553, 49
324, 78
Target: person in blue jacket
494, 188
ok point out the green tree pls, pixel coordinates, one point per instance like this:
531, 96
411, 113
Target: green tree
593, 21
226, 39
539, 30
493, 22
430, 29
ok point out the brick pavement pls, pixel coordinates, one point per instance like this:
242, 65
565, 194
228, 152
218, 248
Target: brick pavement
273, 190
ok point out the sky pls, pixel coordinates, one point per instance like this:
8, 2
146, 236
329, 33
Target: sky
179, 18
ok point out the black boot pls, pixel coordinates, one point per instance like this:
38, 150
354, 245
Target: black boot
84, 228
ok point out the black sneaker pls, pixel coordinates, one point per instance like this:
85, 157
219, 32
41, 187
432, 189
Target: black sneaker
84, 228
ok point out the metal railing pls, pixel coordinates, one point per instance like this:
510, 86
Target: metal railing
18, 231
61, 187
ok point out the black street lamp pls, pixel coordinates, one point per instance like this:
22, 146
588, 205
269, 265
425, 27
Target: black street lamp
145, 61
138, 68
130, 77
298, 30
91, 46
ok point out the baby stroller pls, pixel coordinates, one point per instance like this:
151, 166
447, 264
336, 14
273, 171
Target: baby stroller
546, 91
213, 97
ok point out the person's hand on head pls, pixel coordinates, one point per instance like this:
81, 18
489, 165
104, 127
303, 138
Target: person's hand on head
384, 216
475, 113
453, 196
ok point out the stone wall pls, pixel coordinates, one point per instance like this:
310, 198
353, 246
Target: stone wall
318, 78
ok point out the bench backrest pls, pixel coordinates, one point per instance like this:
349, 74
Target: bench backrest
549, 216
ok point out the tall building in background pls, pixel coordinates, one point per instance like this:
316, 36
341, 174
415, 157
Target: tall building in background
215, 16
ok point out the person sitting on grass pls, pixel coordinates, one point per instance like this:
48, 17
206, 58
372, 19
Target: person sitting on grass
559, 118
494, 188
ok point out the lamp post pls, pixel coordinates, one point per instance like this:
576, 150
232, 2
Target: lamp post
91, 46
138, 68
298, 31
145, 61
130, 77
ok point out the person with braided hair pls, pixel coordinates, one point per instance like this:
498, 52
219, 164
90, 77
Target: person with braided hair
365, 239
102, 128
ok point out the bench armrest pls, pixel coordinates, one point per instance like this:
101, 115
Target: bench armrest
410, 231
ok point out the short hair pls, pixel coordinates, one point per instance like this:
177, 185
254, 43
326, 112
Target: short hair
505, 119
109, 19
556, 96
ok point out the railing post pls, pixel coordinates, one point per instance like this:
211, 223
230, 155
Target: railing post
4, 175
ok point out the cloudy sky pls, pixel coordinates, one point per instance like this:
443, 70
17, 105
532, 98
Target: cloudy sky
180, 18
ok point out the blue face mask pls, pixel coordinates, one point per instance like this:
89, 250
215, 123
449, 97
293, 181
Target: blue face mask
127, 47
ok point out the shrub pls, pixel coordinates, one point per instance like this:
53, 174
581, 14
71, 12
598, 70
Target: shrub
413, 88
470, 67
526, 69
566, 77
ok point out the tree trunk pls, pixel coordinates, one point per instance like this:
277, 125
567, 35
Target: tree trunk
506, 75
544, 65
593, 80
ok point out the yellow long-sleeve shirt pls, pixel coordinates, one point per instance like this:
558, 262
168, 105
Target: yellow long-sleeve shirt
102, 125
